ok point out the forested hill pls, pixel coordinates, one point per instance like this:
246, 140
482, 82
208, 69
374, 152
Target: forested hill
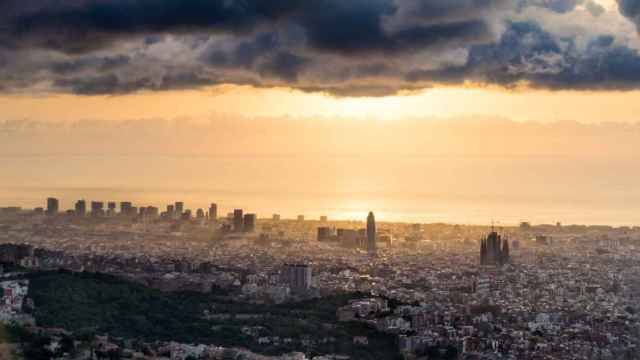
88, 303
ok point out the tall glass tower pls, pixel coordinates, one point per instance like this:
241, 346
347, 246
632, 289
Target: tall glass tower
371, 234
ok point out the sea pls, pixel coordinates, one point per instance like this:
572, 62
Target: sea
416, 189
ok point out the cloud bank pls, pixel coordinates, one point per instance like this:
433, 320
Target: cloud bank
345, 48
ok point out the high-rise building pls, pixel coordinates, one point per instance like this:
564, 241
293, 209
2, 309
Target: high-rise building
324, 233
213, 212
53, 206
81, 208
371, 234
324, 219
126, 208
111, 208
348, 238
238, 224
152, 212
200, 214
301, 218
171, 211
97, 208
298, 277
276, 217
179, 208
249, 222
494, 251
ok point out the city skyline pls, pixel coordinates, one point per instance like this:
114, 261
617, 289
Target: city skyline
239, 217
436, 170
320, 179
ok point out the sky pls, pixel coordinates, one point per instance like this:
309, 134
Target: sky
430, 110
126, 59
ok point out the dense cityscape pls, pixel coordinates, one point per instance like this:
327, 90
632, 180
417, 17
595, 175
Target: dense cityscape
319, 179
248, 287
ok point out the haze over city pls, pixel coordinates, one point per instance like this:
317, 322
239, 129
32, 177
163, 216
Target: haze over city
320, 179
440, 170
510, 110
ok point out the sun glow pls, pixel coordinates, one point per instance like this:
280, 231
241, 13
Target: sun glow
609, 4
249, 102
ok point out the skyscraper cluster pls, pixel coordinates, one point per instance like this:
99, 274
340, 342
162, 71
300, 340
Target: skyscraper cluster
366, 239
97, 209
243, 222
494, 251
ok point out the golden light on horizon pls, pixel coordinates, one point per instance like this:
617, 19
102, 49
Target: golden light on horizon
244, 101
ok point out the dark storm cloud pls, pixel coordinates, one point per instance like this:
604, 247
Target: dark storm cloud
106, 84
559, 6
526, 53
358, 26
112, 84
273, 41
84, 25
343, 47
420, 11
89, 63
349, 90
182, 80
246, 53
347, 26
283, 65
352, 26
370, 70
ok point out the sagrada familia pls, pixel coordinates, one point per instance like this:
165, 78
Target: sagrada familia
494, 250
